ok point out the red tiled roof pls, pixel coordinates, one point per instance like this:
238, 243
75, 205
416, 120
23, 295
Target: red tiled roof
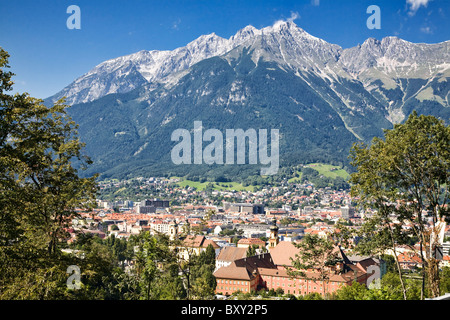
408, 257
199, 242
252, 241
233, 272
246, 268
232, 254
282, 253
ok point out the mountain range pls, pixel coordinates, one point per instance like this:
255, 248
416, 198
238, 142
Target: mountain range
322, 98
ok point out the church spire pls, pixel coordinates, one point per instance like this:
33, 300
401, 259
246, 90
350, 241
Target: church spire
273, 240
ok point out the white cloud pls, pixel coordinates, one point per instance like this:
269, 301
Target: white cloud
176, 24
294, 16
315, 2
426, 30
415, 5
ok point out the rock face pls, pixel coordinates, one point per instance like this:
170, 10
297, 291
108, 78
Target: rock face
321, 97
284, 43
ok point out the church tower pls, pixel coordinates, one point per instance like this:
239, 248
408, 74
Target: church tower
273, 239
173, 230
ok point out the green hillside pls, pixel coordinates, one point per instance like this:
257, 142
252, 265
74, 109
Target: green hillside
329, 171
230, 186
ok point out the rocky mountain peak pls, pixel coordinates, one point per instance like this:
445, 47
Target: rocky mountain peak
284, 43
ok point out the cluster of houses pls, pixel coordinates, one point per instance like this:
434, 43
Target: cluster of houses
271, 265
288, 194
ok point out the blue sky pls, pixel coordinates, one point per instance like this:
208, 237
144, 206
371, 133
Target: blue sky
46, 56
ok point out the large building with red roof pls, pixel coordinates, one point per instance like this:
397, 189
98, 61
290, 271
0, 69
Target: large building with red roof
270, 271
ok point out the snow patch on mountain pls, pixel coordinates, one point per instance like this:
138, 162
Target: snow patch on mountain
284, 43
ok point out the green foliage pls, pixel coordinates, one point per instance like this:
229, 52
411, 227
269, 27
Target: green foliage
39, 191
204, 282
356, 291
403, 176
445, 280
251, 251
312, 296
315, 253
156, 261
390, 289
324, 178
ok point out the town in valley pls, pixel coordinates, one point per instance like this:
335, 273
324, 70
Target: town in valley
253, 230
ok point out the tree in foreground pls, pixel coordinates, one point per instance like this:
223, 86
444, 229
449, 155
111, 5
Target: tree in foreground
316, 256
156, 268
39, 191
390, 289
406, 179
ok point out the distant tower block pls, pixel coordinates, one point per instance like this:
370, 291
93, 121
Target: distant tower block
347, 212
273, 240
